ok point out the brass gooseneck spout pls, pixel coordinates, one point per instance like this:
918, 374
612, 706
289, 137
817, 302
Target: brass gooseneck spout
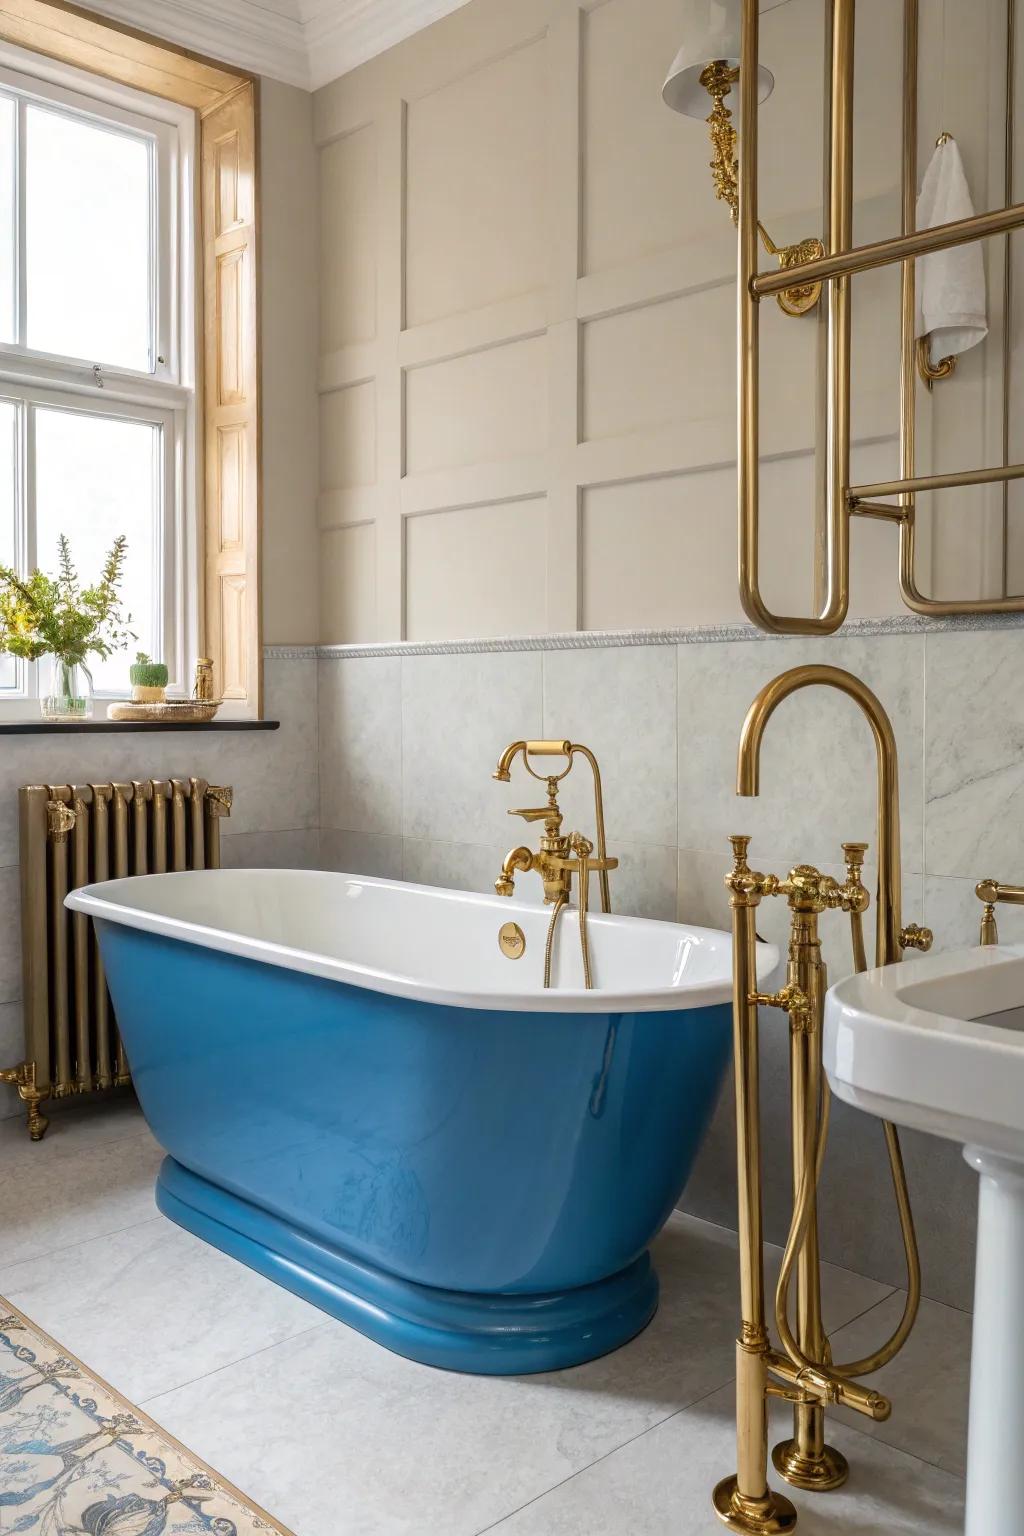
890, 937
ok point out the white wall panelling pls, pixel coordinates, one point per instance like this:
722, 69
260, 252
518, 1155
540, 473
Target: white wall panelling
524, 263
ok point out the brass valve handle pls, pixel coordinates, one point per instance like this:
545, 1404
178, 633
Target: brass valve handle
853, 855
913, 936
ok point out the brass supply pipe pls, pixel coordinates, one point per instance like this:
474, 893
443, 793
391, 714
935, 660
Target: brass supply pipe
835, 601
744, 1502
602, 841
806, 1460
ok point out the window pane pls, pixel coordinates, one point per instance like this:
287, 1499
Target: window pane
8, 508
97, 477
88, 218
8, 225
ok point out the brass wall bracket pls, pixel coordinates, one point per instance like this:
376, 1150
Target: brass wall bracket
718, 79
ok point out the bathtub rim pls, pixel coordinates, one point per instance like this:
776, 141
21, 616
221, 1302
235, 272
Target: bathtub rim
91, 901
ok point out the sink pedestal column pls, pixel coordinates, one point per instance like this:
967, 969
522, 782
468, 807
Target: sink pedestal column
995, 1451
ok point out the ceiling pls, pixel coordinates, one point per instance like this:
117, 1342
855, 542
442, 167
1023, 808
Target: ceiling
304, 42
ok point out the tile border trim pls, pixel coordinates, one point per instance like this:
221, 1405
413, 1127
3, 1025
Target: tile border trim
603, 639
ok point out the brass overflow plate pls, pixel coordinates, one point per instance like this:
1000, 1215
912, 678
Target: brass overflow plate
512, 941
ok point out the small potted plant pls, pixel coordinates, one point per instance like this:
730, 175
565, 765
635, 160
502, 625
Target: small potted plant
55, 616
148, 679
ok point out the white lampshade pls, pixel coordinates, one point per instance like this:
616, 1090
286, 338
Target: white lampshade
711, 29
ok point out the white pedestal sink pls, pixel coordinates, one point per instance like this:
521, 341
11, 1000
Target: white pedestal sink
938, 1043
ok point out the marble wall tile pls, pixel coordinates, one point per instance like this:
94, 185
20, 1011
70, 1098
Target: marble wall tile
462, 867
644, 885
954, 913
458, 715
12, 1050
974, 753
10, 935
818, 762
361, 853
361, 744
271, 850
621, 704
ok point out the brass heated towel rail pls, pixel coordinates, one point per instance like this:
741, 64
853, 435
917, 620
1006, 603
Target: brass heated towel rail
72, 835
842, 261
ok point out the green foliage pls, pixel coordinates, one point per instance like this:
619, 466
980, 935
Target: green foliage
54, 616
146, 673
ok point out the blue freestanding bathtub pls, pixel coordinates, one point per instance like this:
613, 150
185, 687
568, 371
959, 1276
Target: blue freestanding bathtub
361, 1097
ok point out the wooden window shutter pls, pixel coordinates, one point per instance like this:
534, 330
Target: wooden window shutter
231, 412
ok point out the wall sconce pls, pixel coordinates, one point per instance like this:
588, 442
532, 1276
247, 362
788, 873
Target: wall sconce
705, 69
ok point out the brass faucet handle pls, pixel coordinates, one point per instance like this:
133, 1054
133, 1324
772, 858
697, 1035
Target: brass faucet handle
913, 936
740, 845
853, 856
747, 885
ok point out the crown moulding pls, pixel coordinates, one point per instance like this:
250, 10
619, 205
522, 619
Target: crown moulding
302, 42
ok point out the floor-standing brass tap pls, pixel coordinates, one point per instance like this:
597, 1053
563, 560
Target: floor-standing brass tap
803, 1372
561, 854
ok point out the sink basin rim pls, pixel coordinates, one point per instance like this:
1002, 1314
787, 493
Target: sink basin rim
954, 1077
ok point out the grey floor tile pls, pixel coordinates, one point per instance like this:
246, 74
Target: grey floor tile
928, 1381
80, 1186
152, 1307
661, 1483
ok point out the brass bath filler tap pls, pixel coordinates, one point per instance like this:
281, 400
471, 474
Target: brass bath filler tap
803, 1372
561, 855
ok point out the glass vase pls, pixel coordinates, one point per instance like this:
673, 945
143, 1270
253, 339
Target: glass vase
69, 693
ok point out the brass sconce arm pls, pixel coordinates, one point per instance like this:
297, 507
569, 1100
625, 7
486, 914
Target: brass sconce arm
718, 78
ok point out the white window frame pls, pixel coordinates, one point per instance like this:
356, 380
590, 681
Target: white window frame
167, 395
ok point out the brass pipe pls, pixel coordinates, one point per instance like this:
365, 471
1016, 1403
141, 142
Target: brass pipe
602, 842
744, 1502
993, 475
882, 253
805, 1460
835, 602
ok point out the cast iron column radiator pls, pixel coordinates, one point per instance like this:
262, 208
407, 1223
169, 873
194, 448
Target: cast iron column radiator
73, 835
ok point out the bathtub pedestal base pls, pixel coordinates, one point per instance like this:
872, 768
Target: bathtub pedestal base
484, 1334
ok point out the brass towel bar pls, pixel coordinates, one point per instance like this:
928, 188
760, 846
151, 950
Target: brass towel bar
841, 261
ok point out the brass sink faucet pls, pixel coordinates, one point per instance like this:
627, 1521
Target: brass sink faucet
560, 853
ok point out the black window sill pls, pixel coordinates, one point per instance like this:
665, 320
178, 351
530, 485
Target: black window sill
120, 727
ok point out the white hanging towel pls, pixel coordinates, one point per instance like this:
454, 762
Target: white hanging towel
951, 308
